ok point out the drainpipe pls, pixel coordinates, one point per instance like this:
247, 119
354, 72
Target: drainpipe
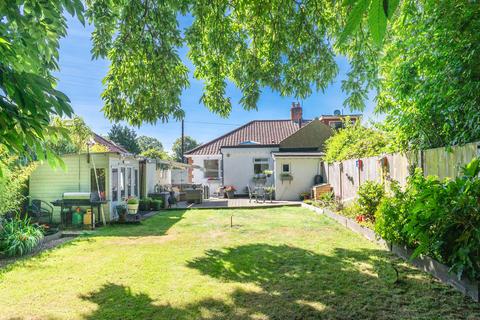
221, 168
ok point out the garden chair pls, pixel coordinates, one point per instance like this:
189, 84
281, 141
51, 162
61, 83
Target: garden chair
252, 194
261, 193
40, 211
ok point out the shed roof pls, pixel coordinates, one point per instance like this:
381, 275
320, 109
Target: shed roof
111, 146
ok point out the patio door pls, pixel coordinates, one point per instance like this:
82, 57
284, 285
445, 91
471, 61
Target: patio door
124, 184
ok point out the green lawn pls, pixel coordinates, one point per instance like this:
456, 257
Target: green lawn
283, 263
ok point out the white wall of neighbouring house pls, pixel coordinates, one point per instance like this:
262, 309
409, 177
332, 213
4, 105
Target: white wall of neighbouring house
238, 166
199, 176
156, 175
303, 170
180, 176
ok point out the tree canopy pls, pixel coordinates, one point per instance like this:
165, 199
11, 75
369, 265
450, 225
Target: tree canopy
189, 144
155, 154
149, 143
29, 41
124, 136
430, 88
426, 58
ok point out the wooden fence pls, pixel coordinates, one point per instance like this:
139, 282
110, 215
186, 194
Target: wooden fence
345, 177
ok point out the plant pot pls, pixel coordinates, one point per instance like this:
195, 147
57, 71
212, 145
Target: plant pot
230, 194
132, 208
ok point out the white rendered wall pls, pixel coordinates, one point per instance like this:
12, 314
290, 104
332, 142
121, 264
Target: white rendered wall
198, 175
238, 166
303, 170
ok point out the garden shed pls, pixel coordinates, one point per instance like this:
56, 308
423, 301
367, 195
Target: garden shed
117, 175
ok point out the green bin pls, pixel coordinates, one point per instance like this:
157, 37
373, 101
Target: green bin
77, 218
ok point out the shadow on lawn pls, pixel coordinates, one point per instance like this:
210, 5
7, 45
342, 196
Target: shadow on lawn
156, 225
298, 284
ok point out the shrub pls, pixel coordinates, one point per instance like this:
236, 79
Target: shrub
144, 204
13, 182
392, 214
19, 237
132, 201
157, 205
438, 218
355, 141
370, 194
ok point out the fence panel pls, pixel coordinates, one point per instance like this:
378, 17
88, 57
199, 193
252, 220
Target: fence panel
345, 177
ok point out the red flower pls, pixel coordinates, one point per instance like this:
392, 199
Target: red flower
360, 218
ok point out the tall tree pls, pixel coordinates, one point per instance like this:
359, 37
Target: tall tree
431, 74
189, 144
287, 46
29, 40
149, 143
125, 137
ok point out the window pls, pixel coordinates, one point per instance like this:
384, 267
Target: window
260, 165
336, 124
100, 177
135, 182
129, 181
122, 183
286, 168
114, 184
211, 169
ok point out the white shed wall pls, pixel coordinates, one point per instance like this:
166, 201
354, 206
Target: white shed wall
303, 170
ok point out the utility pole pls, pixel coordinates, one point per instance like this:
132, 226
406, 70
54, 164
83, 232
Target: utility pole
183, 141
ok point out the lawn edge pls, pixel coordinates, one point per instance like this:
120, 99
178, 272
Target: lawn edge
424, 263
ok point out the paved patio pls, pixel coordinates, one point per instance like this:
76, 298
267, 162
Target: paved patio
235, 203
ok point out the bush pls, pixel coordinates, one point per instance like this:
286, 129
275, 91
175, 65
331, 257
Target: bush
144, 204
132, 201
355, 141
370, 194
13, 182
438, 218
157, 205
19, 237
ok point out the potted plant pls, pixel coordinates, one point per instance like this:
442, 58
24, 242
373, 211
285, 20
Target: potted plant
230, 191
304, 196
268, 173
132, 205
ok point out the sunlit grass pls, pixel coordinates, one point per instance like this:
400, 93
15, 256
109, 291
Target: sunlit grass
281, 263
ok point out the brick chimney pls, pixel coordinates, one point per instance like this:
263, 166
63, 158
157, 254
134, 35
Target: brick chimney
296, 112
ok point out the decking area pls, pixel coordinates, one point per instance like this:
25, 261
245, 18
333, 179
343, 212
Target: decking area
234, 203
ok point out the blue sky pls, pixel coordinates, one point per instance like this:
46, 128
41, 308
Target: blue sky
80, 78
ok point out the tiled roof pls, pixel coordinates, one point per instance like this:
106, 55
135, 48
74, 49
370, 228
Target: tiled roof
112, 147
264, 132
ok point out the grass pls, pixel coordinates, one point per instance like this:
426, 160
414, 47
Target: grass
281, 263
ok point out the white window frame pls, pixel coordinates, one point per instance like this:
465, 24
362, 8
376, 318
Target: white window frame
261, 162
289, 168
208, 172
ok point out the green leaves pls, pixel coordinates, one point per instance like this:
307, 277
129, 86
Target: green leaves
440, 219
429, 71
377, 12
377, 20
29, 41
356, 141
